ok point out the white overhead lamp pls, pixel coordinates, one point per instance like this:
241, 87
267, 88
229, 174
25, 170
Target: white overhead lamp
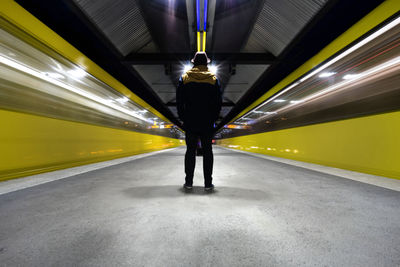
122, 100
213, 69
186, 68
326, 74
264, 112
77, 73
350, 76
54, 75
278, 94
279, 100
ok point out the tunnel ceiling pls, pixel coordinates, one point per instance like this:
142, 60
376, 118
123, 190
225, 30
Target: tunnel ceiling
146, 43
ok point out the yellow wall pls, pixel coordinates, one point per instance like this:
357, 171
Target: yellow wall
368, 144
31, 144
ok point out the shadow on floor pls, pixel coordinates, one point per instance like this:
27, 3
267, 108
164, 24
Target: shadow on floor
171, 191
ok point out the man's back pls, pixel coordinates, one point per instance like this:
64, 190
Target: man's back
199, 99
199, 102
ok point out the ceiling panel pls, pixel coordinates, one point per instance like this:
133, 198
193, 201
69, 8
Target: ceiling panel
278, 23
155, 77
245, 77
232, 24
121, 22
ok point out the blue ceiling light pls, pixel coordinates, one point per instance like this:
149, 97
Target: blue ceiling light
198, 14
201, 24
205, 15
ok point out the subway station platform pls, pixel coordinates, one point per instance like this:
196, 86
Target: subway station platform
302, 98
262, 213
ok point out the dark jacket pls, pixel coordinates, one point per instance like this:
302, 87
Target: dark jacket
198, 99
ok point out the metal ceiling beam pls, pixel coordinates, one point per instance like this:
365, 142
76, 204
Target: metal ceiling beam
239, 58
190, 11
259, 6
210, 23
224, 104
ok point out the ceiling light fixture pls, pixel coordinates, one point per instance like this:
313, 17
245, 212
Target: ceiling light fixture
326, 74
186, 68
77, 73
350, 76
213, 69
122, 100
278, 94
54, 75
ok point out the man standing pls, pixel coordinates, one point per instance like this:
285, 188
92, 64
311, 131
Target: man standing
199, 102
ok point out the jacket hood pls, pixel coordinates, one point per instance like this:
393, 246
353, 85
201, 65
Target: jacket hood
199, 73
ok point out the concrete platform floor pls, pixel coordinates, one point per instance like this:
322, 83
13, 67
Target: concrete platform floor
262, 213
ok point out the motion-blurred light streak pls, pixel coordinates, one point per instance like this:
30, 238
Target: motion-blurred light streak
348, 78
68, 87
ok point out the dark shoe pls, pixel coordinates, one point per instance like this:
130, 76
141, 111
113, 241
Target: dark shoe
209, 187
187, 186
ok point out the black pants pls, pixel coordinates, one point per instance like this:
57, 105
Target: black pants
190, 156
